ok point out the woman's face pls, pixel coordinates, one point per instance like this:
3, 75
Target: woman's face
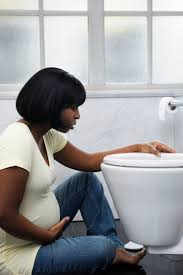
67, 119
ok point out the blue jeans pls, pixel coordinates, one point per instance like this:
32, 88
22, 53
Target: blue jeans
86, 254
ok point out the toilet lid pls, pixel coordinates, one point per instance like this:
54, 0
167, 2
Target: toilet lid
145, 160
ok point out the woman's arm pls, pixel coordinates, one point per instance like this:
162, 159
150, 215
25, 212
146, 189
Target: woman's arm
74, 158
12, 186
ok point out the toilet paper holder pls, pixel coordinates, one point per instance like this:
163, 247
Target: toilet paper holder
168, 106
175, 103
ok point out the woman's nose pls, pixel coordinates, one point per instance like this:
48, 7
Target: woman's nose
77, 114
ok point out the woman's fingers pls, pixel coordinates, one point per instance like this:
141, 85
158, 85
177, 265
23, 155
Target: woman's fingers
156, 148
167, 149
57, 229
149, 148
64, 221
155, 152
58, 226
163, 147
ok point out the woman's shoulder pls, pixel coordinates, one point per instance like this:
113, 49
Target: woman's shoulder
16, 147
55, 139
51, 134
16, 133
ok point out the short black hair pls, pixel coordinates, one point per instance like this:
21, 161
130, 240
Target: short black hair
47, 93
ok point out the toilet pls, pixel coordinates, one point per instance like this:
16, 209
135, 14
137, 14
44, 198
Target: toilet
147, 192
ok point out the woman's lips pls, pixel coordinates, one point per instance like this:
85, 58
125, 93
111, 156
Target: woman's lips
72, 126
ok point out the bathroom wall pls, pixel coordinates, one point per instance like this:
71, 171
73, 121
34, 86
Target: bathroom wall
108, 123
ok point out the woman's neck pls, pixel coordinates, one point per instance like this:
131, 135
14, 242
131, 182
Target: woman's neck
38, 130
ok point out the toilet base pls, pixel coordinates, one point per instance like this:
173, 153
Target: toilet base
175, 249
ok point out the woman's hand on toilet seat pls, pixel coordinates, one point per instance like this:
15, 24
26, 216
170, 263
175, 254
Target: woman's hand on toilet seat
155, 148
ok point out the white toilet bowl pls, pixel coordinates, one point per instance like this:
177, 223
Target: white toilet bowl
148, 195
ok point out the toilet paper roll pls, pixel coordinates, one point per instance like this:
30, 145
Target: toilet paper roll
165, 109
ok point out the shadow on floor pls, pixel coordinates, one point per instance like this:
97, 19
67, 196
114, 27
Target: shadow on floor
123, 270
115, 270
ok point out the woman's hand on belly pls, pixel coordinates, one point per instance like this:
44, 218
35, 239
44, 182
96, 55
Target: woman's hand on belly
57, 229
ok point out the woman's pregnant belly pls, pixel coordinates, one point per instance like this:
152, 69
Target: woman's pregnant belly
45, 213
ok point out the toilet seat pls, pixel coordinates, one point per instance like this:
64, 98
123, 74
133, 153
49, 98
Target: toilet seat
145, 160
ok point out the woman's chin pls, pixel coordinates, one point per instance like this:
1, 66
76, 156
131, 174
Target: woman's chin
65, 130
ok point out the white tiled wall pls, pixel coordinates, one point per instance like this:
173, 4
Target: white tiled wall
108, 123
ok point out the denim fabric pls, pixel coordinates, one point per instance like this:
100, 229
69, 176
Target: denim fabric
86, 254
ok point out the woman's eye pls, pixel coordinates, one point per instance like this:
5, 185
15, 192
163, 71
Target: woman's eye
74, 107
